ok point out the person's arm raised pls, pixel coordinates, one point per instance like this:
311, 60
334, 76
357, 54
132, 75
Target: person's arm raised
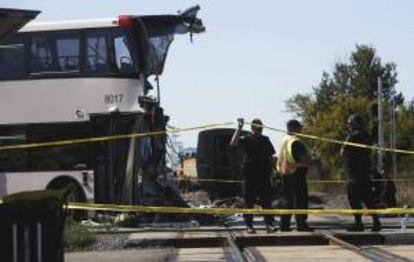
235, 139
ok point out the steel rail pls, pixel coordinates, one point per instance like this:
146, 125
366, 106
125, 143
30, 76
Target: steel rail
253, 255
370, 252
235, 251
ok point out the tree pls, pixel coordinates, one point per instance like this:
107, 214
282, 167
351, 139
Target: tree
359, 77
332, 124
350, 88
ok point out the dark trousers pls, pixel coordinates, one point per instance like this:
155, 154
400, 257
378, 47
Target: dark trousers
295, 192
359, 194
257, 188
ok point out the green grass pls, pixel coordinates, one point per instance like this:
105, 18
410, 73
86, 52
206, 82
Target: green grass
77, 237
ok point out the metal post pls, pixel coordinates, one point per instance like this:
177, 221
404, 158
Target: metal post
394, 137
380, 167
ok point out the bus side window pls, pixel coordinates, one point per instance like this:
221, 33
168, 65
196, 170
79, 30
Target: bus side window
123, 55
97, 55
41, 55
68, 54
12, 63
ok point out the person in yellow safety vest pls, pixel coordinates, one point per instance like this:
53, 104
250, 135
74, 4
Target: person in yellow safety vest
292, 164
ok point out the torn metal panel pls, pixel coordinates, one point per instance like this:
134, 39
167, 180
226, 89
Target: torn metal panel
161, 30
11, 20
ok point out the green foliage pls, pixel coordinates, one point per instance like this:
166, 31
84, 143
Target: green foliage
352, 88
303, 106
77, 237
359, 78
332, 124
405, 138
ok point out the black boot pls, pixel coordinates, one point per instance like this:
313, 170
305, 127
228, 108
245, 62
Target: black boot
376, 227
270, 228
251, 230
356, 227
285, 223
304, 227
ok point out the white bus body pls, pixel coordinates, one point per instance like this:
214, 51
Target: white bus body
13, 182
78, 79
66, 100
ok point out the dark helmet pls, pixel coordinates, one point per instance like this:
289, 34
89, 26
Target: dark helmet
355, 121
293, 125
258, 122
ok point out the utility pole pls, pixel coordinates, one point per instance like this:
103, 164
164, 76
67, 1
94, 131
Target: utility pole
394, 137
380, 167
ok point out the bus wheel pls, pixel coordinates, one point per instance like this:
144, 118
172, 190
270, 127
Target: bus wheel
75, 194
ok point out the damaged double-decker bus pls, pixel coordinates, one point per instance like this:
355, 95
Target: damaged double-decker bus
80, 79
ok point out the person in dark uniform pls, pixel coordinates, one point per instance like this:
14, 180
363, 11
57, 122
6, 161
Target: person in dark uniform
256, 169
357, 165
292, 164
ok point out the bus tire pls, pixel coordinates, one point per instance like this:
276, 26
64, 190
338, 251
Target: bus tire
75, 194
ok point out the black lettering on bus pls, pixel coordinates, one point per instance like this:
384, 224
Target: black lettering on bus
113, 98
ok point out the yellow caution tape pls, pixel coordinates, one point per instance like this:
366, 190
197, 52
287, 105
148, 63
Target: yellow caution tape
109, 138
309, 181
209, 180
372, 180
231, 211
340, 142
202, 127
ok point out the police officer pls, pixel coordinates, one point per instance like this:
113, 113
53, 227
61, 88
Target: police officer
256, 169
292, 164
357, 166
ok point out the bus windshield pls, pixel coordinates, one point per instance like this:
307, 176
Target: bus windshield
161, 30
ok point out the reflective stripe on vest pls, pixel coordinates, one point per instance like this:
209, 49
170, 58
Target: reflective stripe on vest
286, 162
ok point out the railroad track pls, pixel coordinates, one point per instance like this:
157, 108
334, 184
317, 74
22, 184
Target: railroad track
231, 245
361, 246
368, 251
327, 243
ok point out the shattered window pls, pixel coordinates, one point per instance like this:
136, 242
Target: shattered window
123, 55
159, 46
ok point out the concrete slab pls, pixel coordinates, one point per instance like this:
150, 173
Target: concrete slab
145, 255
307, 253
152, 235
406, 251
202, 254
201, 234
176, 239
263, 233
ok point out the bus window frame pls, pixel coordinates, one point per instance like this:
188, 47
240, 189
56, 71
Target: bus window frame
137, 53
80, 58
94, 33
110, 33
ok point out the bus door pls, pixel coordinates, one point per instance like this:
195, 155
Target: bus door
116, 162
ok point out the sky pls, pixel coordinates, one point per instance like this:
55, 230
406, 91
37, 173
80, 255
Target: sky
255, 55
